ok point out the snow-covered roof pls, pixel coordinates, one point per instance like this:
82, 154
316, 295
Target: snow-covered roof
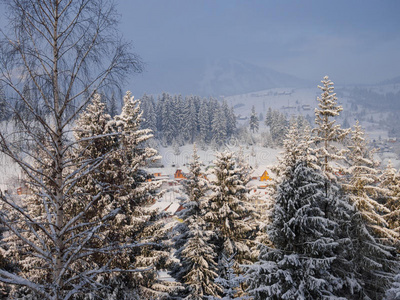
173, 208
160, 206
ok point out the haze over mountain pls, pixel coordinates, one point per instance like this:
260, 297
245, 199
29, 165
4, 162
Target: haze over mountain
211, 77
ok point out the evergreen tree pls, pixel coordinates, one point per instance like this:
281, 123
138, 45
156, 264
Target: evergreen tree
278, 127
159, 112
300, 264
190, 120
149, 113
231, 282
136, 192
195, 187
253, 120
218, 127
326, 132
230, 119
112, 107
268, 117
296, 148
197, 268
228, 211
168, 122
390, 182
122, 182
176, 113
374, 262
394, 292
204, 124
361, 183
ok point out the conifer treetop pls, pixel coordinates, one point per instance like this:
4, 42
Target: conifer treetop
327, 131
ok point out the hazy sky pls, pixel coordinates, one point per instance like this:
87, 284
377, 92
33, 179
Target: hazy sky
351, 41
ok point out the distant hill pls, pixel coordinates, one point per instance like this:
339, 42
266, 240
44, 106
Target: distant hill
210, 77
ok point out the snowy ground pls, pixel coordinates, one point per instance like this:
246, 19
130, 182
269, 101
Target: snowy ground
258, 157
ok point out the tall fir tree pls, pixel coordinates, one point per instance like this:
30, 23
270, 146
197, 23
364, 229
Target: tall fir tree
112, 107
231, 125
390, 182
149, 113
228, 211
300, 265
374, 261
326, 133
361, 183
190, 120
218, 127
197, 268
231, 282
296, 148
123, 181
135, 191
254, 122
278, 127
393, 293
204, 124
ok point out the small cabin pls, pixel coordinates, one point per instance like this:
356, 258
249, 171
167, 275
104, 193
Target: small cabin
264, 176
179, 174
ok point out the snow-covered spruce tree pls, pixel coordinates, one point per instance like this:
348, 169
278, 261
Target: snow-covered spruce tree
119, 179
231, 283
167, 121
299, 266
195, 187
326, 133
361, 183
159, 113
254, 123
135, 193
278, 128
204, 124
149, 113
218, 127
296, 147
390, 182
231, 123
112, 106
190, 120
227, 210
394, 292
374, 262
56, 48
268, 117
197, 259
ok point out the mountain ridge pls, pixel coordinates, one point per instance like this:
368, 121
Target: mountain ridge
211, 77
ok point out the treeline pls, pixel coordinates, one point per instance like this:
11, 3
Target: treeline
279, 124
178, 120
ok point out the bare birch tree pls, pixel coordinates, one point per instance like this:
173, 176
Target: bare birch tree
65, 51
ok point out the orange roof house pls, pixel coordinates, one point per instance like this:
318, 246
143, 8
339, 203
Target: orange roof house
179, 174
264, 176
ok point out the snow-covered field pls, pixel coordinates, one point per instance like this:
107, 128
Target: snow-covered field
258, 157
